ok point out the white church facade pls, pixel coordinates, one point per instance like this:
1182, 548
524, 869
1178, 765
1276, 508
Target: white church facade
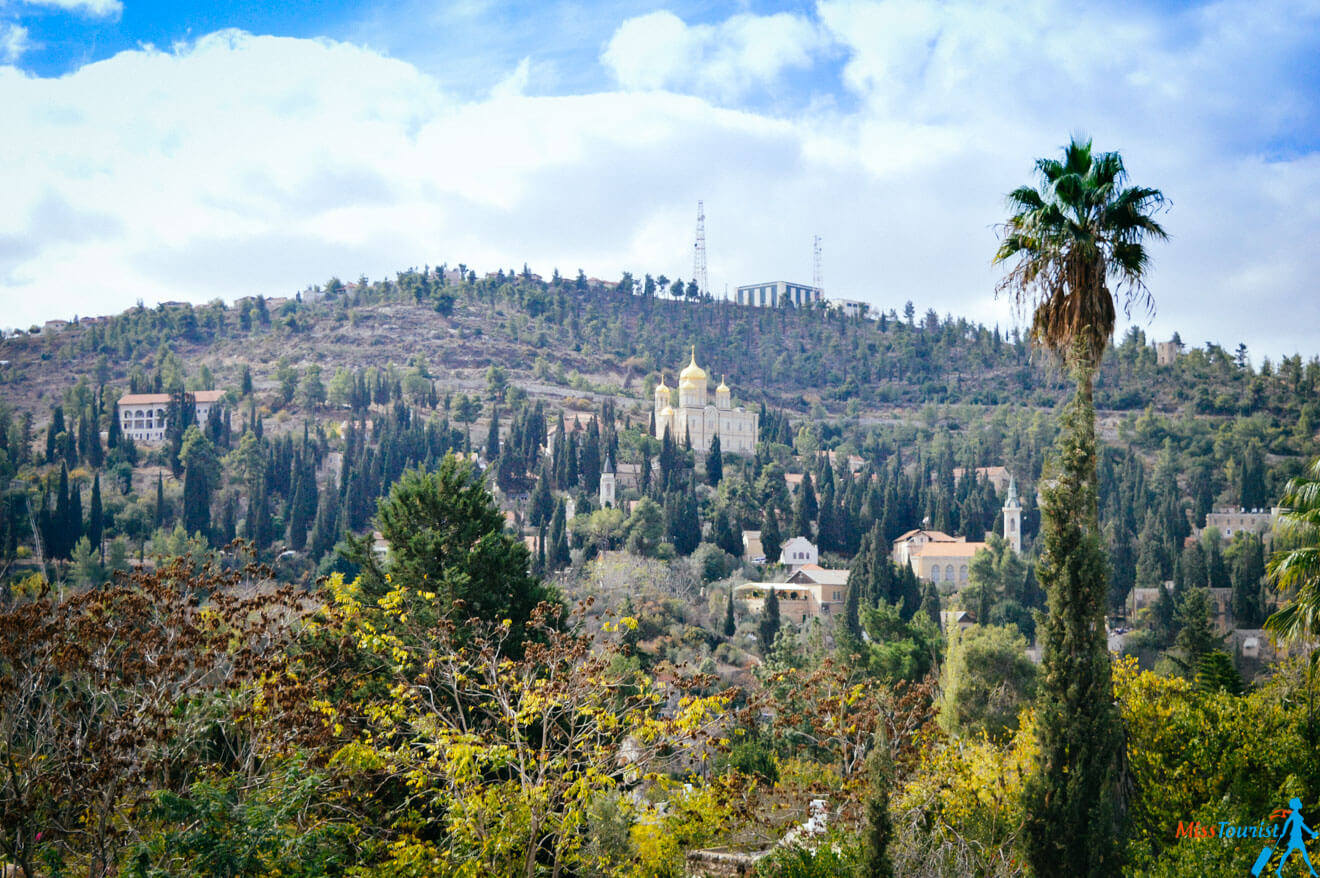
701, 418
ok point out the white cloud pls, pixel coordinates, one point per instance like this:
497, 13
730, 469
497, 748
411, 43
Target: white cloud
94, 8
659, 50
13, 42
244, 164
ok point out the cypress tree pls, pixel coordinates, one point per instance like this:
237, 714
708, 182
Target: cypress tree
95, 517
725, 535
714, 463
538, 565
558, 558
493, 436
196, 503
74, 522
852, 608
879, 829
768, 629
682, 525
591, 457
160, 500
325, 530
298, 517
771, 541
1075, 801
58, 543
730, 625
1248, 570
644, 479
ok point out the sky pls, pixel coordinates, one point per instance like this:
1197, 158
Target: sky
188, 151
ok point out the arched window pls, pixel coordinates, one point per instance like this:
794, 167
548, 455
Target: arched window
962, 573
935, 573
948, 572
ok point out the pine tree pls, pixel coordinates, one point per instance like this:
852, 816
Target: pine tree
1196, 633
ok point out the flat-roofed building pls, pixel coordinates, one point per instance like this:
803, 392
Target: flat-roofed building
775, 293
143, 417
1229, 520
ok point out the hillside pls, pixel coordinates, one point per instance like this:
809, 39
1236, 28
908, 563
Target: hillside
560, 339
325, 402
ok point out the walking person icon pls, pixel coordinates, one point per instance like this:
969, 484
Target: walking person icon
1293, 828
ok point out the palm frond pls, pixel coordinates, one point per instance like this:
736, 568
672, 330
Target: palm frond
1068, 239
1297, 569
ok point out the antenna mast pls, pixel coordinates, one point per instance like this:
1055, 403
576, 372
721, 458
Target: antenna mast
815, 266
699, 252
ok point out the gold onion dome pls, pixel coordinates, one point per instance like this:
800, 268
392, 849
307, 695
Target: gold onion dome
723, 388
692, 373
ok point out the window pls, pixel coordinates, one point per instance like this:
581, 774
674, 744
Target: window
935, 573
962, 573
948, 572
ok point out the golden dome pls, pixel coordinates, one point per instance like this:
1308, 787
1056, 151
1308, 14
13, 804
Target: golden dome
692, 373
723, 388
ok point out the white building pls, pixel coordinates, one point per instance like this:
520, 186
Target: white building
699, 418
850, 307
143, 416
798, 552
772, 294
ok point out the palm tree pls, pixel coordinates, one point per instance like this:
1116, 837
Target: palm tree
1068, 240
1297, 569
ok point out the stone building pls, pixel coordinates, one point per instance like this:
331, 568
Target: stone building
944, 560
143, 416
701, 419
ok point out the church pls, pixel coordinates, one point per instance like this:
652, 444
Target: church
701, 419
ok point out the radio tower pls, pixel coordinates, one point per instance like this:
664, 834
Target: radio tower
815, 266
699, 251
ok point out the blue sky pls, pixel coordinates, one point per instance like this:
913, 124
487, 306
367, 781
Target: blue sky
194, 151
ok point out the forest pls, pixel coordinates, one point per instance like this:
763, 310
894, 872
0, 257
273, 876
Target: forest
370, 615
